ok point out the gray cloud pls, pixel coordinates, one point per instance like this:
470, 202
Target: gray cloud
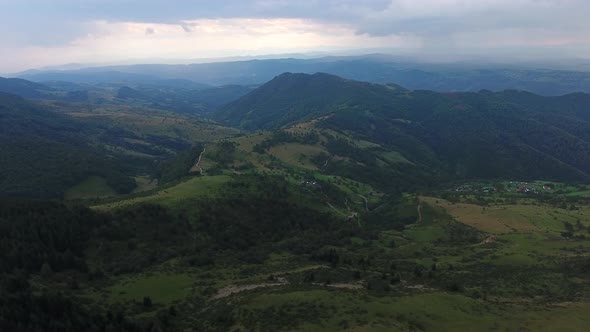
186, 27
447, 23
53, 22
150, 31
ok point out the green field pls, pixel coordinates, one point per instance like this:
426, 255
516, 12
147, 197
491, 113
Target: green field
431, 311
297, 154
145, 183
92, 187
152, 122
162, 288
193, 188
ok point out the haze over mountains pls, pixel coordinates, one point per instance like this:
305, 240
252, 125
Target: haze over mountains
443, 77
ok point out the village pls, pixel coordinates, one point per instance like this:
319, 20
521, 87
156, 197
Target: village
520, 187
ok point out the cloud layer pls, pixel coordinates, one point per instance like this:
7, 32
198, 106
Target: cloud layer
98, 30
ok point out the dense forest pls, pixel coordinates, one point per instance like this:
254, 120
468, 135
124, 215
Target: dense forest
44, 153
61, 249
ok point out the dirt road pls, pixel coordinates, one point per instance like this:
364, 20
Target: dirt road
197, 165
419, 209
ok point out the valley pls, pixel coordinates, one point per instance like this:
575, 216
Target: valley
365, 207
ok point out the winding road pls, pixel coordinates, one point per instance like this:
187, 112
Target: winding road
366, 202
199, 161
419, 209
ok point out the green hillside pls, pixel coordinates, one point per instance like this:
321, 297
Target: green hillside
458, 135
48, 149
290, 98
43, 153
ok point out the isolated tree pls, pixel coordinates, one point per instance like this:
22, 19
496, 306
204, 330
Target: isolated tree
396, 279
356, 274
418, 271
456, 287
172, 310
147, 302
568, 227
46, 271
393, 266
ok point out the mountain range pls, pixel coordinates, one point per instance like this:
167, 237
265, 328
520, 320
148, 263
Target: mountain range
443, 136
442, 77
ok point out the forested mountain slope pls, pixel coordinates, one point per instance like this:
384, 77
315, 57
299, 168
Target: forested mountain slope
44, 153
23, 88
290, 98
484, 134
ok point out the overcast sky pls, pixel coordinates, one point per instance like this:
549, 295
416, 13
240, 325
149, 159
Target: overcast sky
38, 33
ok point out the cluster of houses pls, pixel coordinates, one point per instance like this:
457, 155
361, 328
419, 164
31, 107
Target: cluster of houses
467, 188
463, 188
527, 188
514, 186
310, 183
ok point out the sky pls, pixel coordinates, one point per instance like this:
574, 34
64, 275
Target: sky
37, 33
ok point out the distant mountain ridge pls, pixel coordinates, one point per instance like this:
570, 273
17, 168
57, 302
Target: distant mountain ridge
23, 88
181, 100
178, 95
372, 68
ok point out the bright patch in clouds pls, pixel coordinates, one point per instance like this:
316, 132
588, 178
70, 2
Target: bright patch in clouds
203, 38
